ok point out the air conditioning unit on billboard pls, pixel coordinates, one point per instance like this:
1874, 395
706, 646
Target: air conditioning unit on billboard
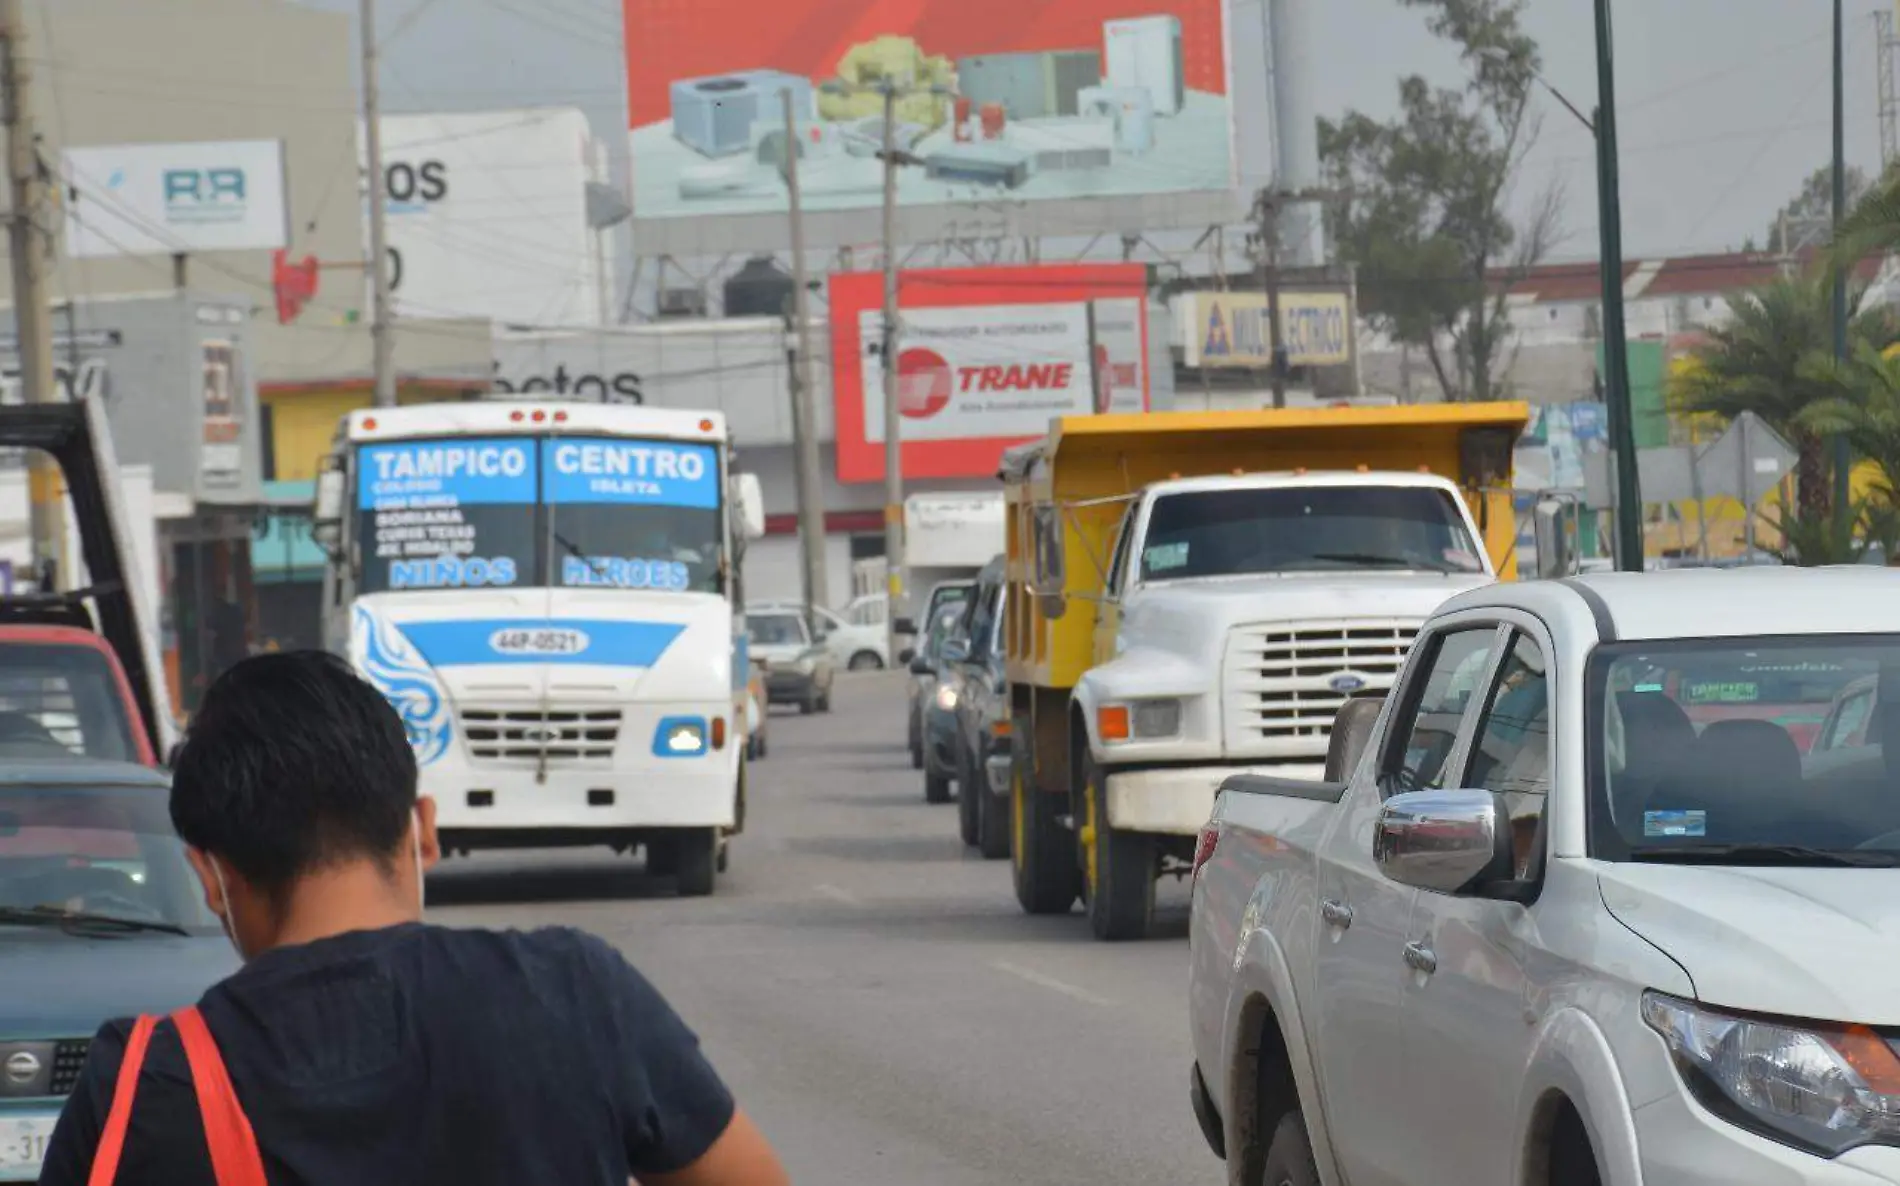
1145, 52
716, 115
1030, 85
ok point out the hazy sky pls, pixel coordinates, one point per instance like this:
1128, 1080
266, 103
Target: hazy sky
1724, 104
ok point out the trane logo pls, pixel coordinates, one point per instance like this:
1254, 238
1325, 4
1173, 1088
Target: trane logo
1053, 376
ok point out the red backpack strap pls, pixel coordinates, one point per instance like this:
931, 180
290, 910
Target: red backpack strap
105, 1159
235, 1160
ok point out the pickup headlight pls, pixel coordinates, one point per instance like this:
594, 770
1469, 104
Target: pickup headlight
804, 665
946, 698
1825, 1089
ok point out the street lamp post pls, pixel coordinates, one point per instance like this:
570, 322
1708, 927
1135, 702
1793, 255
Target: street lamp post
1843, 459
1616, 364
1616, 361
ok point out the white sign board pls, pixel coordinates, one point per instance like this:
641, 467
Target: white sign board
487, 217
975, 372
175, 199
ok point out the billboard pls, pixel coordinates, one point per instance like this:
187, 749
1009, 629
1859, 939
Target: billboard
487, 217
986, 358
1017, 100
175, 199
1232, 329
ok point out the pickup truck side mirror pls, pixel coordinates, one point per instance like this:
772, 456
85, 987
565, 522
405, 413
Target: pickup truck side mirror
906, 626
1449, 842
1352, 730
1555, 529
920, 665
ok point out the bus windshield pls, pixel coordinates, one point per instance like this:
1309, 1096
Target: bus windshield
513, 512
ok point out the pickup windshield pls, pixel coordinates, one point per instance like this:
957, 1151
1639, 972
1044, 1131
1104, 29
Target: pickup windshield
1218, 533
61, 700
506, 512
1707, 751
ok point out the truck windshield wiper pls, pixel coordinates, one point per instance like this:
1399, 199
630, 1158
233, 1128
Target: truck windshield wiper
55, 916
598, 566
1764, 854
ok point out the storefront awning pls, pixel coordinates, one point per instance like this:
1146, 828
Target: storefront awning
284, 552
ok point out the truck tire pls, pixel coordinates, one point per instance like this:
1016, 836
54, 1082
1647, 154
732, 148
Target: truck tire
937, 787
916, 740
824, 701
809, 704
662, 857
1118, 868
1042, 852
696, 860
967, 801
992, 819
1290, 1155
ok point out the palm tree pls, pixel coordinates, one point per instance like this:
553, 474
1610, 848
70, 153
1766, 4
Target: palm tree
1865, 408
1769, 359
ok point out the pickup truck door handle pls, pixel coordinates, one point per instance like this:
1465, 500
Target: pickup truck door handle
1420, 958
1336, 914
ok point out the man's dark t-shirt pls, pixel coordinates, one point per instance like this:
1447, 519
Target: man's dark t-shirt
421, 1054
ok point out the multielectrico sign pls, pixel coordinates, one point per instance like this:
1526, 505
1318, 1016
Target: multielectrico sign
1232, 329
174, 199
986, 358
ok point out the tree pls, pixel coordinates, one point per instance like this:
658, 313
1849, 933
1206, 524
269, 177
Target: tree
1418, 203
1865, 408
1808, 218
1771, 358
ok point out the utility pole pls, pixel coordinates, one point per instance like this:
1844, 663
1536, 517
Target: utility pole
811, 498
1843, 457
28, 243
1616, 362
381, 330
893, 415
1269, 215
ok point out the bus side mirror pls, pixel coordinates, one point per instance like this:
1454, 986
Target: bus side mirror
1555, 527
748, 504
326, 517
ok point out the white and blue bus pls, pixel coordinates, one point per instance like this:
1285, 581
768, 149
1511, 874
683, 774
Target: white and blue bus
548, 594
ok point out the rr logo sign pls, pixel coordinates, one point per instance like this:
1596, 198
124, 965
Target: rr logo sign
204, 195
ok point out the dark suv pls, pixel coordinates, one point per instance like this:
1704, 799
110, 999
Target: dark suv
976, 657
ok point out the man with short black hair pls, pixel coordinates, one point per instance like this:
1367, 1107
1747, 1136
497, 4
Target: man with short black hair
364, 1046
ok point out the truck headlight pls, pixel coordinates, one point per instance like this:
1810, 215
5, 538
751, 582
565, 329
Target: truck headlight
680, 737
1157, 718
1822, 1088
804, 666
946, 698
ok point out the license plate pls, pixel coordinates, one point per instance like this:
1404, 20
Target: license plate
23, 1141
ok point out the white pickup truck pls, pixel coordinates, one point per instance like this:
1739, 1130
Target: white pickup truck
1580, 910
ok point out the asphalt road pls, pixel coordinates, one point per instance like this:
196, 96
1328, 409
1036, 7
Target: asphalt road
872, 992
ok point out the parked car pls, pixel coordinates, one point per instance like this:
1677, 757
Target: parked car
64, 693
982, 718
101, 917
924, 682
1537, 926
855, 646
798, 668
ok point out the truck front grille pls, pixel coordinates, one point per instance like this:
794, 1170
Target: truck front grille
69, 1058
525, 734
1278, 697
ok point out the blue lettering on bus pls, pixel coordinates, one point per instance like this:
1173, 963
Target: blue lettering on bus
647, 472
622, 572
452, 572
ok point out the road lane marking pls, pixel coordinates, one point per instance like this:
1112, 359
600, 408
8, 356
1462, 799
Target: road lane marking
1050, 983
839, 895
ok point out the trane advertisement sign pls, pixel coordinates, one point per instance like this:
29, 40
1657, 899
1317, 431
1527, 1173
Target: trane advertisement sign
986, 358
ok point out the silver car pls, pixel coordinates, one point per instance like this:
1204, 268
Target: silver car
798, 668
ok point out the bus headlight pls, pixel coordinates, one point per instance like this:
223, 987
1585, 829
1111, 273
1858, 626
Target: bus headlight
680, 737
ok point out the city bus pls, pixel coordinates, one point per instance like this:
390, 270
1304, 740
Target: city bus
548, 594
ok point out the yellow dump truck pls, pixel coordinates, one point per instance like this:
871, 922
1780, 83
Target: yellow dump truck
1195, 594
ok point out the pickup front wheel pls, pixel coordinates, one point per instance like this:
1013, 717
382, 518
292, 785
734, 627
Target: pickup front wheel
1290, 1155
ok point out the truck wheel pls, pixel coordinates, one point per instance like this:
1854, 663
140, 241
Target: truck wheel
661, 857
992, 819
696, 856
1042, 853
1290, 1155
808, 705
937, 788
824, 701
967, 801
916, 742
1118, 868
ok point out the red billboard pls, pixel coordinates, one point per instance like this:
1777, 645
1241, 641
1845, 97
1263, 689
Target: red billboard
1023, 99
986, 358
